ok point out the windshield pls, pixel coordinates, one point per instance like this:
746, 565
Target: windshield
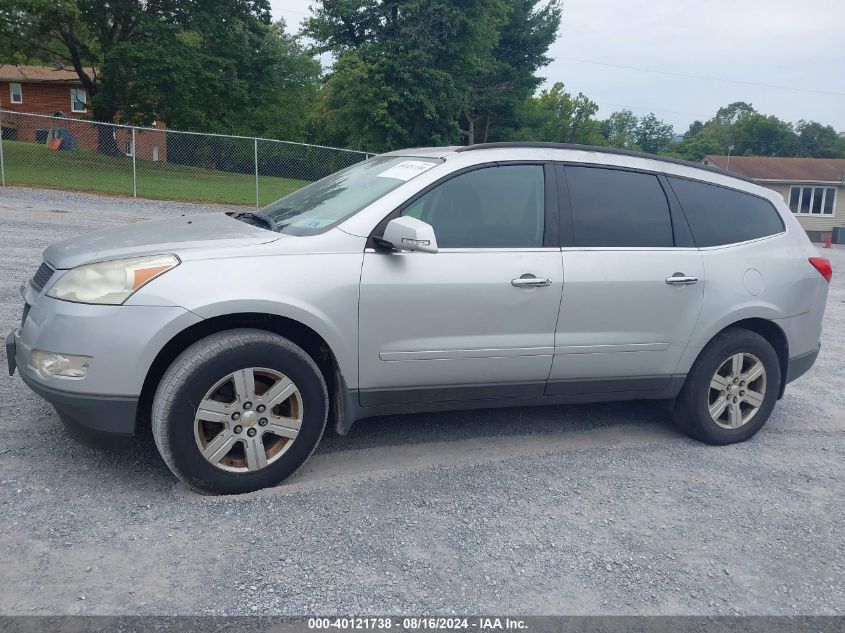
322, 204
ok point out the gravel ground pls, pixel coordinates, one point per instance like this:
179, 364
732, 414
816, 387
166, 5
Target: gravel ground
602, 509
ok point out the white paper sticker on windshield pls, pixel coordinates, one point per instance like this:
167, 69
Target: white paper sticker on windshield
311, 223
406, 170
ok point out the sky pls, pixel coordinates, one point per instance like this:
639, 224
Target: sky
603, 47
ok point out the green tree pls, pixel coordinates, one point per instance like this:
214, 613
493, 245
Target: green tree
694, 129
715, 135
414, 72
214, 64
557, 116
17, 44
696, 147
257, 80
625, 130
819, 141
733, 112
86, 33
492, 99
620, 129
756, 134
653, 135
751, 133
396, 79
378, 103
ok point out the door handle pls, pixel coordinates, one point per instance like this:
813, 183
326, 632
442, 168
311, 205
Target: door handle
530, 281
681, 279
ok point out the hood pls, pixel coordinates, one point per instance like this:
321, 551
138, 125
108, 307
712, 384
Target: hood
211, 230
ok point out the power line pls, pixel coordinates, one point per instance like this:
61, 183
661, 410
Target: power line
293, 11
649, 108
666, 72
704, 77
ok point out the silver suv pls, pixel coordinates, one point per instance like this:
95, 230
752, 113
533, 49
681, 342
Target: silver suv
420, 280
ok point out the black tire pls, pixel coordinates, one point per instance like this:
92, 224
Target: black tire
691, 411
196, 370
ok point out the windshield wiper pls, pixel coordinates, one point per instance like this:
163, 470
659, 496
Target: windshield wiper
263, 219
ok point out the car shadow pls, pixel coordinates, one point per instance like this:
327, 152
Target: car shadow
451, 426
137, 464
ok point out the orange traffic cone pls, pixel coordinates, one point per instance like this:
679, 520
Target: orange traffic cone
828, 241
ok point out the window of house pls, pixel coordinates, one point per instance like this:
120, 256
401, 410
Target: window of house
15, 93
616, 208
491, 207
812, 200
128, 147
718, 215
78, 100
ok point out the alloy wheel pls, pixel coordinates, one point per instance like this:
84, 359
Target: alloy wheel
248, 419
737, 390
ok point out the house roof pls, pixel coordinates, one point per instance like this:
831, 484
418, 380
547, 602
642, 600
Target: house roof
782, 169
39, 74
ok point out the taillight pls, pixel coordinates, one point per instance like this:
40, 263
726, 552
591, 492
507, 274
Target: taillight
823, 266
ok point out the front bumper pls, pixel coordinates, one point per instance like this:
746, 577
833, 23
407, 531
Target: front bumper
123, 342
89, 417
10, 352
86, 417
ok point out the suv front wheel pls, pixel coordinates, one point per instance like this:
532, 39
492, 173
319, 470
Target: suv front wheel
731, 390
238, 411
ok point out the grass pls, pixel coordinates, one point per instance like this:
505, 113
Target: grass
34, 165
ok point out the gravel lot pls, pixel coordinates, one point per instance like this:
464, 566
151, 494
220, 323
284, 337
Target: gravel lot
578, 509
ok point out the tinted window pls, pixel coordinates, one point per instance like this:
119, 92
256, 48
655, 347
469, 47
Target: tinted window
717, 215
611, 207
493, 207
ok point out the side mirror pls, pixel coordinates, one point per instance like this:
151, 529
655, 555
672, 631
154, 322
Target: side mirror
409, 234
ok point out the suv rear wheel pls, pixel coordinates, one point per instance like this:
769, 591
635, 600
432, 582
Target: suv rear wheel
238, 411
731, 390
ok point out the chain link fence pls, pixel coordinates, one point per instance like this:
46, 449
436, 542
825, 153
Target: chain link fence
154, 162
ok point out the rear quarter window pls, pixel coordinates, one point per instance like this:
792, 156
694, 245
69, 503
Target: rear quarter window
719, 216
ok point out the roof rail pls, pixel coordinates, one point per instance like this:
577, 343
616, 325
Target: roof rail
603, 150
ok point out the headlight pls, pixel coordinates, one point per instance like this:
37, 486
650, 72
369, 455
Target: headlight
110, 282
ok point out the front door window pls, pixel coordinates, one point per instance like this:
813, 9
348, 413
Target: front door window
493, 207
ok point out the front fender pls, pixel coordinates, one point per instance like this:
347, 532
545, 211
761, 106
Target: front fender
318, 291
340, 334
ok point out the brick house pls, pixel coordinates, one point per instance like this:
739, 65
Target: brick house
59, 94
814, 188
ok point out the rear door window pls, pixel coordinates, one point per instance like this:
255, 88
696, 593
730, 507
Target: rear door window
618, 208
719, 216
